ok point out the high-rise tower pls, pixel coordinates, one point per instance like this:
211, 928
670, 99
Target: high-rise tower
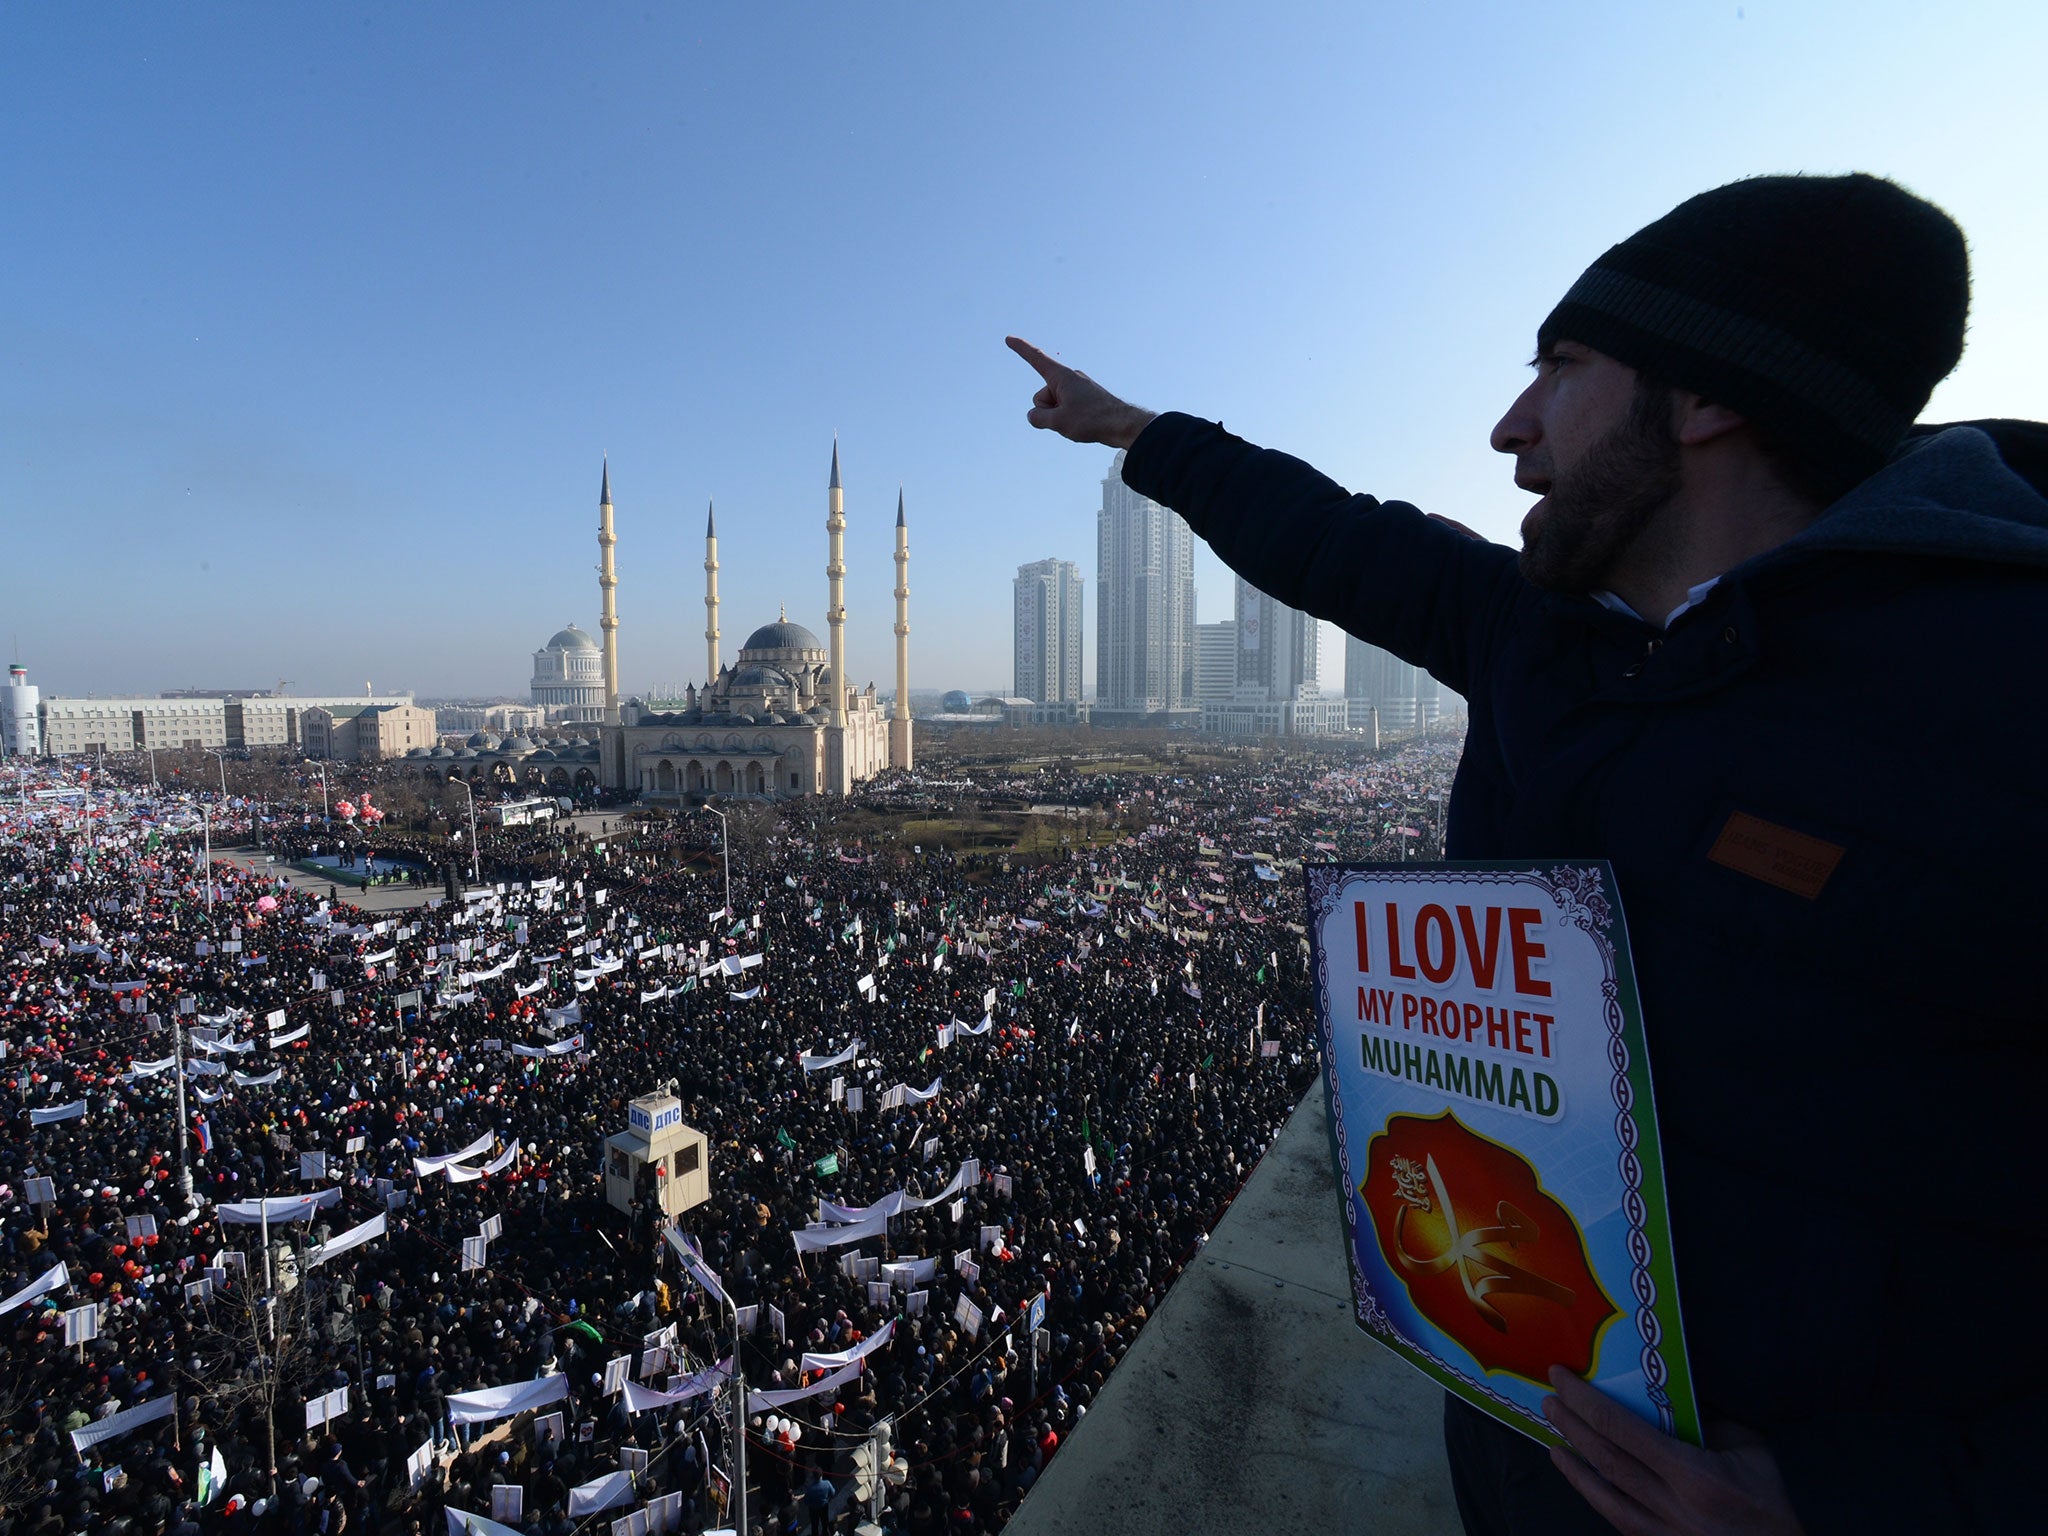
1277, 648
608, 585
899, 717
1046, 631
711, 594
1145, 607
835, 588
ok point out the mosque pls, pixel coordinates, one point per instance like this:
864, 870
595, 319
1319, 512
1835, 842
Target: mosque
778, 723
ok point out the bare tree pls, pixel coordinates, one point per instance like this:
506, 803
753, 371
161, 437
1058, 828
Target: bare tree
254, 1348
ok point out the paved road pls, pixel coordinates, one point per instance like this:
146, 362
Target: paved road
378, 898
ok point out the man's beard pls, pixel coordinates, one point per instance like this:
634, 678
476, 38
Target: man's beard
1600, 507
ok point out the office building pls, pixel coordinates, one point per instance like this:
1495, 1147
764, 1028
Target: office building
1215, 661
1380, 686
1144, 610
1046, 630
1276, 648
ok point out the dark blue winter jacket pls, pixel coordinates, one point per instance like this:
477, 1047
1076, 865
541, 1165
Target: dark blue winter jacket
1845, 1004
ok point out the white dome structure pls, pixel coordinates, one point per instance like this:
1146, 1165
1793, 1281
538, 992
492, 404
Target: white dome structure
568, 676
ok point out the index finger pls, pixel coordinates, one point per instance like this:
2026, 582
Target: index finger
1048, 370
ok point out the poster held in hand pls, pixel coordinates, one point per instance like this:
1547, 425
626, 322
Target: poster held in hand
1495, 1135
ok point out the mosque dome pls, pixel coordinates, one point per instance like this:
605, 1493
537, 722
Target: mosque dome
762, 675
483, 741
956, 703
519, 746
570, 639
781, 636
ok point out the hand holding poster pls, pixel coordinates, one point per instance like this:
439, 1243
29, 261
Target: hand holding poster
1495, 1135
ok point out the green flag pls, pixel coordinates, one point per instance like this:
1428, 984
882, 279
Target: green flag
784, 1139
826, 1166
1017, 989
1208, 1061
1262, 973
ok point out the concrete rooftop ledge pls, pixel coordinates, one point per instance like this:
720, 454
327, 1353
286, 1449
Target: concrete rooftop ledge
1251, 1401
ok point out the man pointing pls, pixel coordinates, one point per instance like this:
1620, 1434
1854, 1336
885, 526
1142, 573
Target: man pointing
1769, 649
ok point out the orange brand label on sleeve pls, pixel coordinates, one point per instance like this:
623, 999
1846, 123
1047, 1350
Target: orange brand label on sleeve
1763, 850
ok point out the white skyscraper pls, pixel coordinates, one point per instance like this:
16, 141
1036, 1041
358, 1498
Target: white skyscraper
1048, 596
1276, 647
1374, 679
1215, 661
1144, 606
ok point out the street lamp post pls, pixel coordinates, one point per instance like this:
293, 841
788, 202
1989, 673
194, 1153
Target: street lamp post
206, 822
475, 868
325, 818
725, 852
222, 759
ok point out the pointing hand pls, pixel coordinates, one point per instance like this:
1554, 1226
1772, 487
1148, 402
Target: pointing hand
1075, 406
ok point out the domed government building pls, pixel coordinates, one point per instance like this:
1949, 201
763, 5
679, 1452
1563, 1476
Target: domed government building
568, 677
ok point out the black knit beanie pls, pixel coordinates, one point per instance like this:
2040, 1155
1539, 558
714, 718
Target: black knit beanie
1823, 308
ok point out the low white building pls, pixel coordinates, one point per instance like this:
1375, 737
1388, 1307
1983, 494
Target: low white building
71, 726
1305, 715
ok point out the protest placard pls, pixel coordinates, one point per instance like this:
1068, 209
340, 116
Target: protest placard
1495, 1135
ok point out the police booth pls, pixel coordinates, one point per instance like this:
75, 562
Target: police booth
657, 1158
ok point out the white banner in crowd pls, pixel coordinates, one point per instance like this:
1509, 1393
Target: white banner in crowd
694, 1265
354, 1237
607, 1492
818, 1239
491, 1403
426, 1165
758, 1402
259, 1082
502, 1161
276, 1208
812, 1063
55, 1278
832, 1362
462, 1523
72, 1111
122, 1422
289, 1036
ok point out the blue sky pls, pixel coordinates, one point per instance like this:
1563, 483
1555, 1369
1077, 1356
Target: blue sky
316, 321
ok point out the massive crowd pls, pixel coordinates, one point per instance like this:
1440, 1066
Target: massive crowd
1082, 1057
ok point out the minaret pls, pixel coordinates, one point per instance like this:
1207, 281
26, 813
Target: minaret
608, 584
899, 718
711, 595
835, 590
